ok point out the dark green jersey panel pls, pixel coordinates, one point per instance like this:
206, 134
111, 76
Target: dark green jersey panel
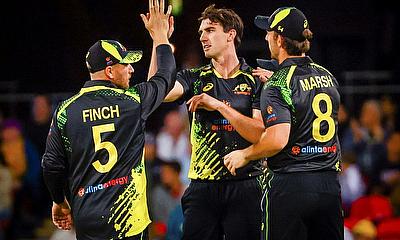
212, 136
305, 95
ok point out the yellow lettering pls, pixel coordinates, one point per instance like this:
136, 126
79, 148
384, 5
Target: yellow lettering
85, 114
305, 84
318, 81
313, 84
91, 114
324, 81
94, 114
104, 114
116, 111
330, 81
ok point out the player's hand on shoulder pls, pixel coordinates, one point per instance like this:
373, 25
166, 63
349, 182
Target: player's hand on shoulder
262, 74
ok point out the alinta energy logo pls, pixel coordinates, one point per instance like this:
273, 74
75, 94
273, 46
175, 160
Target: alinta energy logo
296, 150
101, 186
222, 125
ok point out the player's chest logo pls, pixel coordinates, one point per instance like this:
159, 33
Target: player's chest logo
208, 87
242, 89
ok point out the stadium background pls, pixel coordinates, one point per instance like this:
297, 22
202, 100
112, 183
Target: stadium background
45, 42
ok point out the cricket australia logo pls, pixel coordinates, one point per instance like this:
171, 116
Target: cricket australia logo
242, 89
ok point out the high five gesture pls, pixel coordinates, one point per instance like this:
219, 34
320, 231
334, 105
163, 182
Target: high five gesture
158, 23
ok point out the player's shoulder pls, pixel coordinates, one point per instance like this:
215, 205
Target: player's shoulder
133, 93
279, 78
244, 66
204, 69
320, 68
247, 71
67, 102
195, 72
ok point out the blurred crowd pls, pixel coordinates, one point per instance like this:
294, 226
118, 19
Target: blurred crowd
24, 201
370, 177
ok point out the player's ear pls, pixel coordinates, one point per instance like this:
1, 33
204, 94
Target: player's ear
280, 39
108, 72
231, 35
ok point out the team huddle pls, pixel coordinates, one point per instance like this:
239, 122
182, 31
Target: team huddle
256, 171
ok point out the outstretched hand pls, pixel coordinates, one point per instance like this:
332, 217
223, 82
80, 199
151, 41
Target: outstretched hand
61, 214
159, 24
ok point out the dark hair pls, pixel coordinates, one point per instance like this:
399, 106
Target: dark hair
296, 48
227, 18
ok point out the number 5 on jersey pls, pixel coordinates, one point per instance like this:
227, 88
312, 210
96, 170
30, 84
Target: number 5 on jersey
108, 146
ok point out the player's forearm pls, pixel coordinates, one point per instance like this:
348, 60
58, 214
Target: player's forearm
175, 93
260, 150
271, 142
55, 182
160, 38
153, 63
166, 68
249, 128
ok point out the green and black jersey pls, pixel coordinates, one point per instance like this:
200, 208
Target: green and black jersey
305, 95
95, 146
212, 136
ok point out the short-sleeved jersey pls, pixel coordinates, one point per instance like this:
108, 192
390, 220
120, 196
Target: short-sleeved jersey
212, 136
305, 95
96, 141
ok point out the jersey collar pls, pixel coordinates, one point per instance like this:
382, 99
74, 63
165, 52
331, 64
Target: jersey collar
244, 67
295, 61
93, 83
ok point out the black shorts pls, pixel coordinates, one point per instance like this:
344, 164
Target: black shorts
303, 206
216, 210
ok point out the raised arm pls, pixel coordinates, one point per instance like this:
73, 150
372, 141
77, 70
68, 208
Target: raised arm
160, 27
153, 60
175, 93
157, 87
177, 89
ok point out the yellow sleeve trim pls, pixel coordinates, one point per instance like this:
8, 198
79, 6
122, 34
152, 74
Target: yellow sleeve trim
92, 89
319, 66
289, 76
